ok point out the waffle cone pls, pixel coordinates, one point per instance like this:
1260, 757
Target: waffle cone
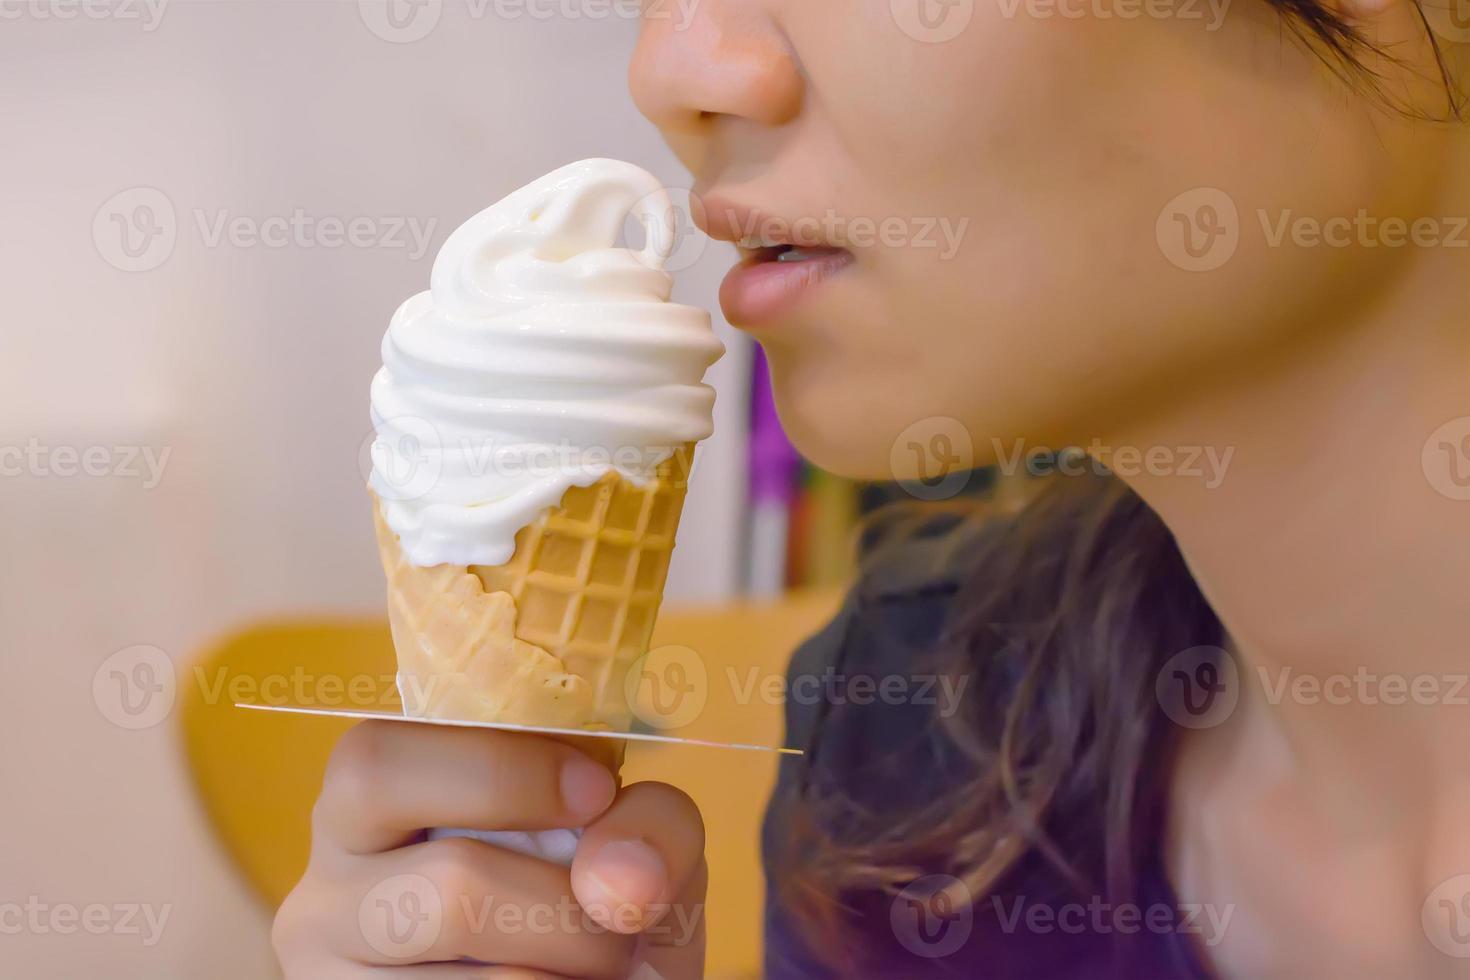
547, 638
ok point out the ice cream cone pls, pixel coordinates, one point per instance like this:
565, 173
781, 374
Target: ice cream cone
548, 637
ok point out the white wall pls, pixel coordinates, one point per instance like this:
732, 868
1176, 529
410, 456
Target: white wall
249, 365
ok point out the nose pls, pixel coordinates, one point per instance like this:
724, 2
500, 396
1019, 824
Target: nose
726, 60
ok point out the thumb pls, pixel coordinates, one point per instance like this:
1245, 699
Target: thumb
640, 869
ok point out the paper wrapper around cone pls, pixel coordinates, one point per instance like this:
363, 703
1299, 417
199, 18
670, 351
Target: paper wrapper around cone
547, 638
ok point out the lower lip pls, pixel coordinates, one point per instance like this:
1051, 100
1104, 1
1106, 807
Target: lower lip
758, 291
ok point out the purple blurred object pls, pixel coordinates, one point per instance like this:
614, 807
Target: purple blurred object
774, 470
774, 462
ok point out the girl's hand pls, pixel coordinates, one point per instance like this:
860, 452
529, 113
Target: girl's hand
378, 900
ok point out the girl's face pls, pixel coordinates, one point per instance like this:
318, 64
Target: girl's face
1055, 217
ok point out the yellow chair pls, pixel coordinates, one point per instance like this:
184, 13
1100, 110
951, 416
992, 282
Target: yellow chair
258, 773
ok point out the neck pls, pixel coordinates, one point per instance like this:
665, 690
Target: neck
1336, 547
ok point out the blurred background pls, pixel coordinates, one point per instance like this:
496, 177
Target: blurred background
212, 208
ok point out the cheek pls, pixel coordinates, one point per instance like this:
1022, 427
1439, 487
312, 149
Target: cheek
1053, 148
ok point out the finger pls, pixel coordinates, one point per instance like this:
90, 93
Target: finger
457, 971
674, 944
346, 970
387, 781
639, 856
457, 899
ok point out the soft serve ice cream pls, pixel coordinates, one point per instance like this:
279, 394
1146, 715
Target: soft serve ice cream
535, 415
542, 357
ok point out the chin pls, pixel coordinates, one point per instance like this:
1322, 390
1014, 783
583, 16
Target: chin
828, 416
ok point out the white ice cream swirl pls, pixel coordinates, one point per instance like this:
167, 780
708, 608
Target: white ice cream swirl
541, 357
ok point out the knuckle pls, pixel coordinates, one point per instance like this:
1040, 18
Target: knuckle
355, 773
289, 927
679, 809
454, 867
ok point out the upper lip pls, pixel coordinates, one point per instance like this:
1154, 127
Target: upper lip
754, 230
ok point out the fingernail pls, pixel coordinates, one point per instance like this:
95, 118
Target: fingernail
586, 787
631, 876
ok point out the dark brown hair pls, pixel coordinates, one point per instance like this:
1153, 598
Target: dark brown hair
1071, 606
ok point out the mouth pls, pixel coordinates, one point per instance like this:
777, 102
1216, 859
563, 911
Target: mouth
783, 262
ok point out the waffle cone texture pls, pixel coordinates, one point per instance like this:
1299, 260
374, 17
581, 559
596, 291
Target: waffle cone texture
547, 638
